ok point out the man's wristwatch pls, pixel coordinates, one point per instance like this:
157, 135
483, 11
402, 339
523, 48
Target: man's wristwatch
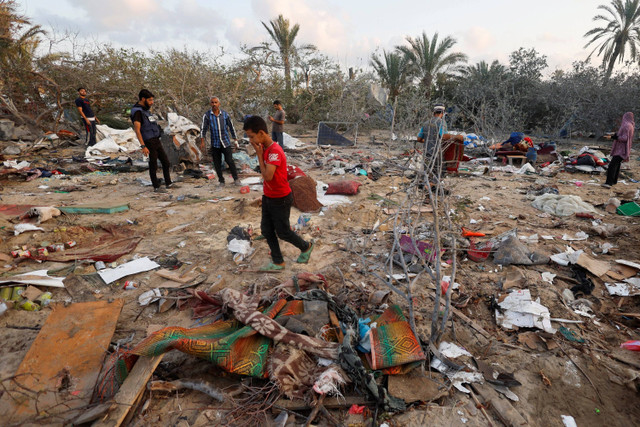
143, 146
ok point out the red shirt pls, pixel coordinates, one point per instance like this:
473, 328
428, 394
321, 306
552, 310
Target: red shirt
278, 186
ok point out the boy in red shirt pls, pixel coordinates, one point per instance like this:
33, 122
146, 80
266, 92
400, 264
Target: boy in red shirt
277, 199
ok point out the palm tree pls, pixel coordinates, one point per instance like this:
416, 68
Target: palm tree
393, 73
483, 71
430, 58
284, 35
621, 32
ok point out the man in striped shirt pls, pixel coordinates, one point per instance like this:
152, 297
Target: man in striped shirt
220, 126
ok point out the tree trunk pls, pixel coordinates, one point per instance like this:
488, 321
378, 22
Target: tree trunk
287, 77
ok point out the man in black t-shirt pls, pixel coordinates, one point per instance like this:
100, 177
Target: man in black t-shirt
89, 119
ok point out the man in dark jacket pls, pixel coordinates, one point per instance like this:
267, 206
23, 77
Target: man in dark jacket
89, 119
148, 132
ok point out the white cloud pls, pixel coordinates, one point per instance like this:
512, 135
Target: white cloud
478, 39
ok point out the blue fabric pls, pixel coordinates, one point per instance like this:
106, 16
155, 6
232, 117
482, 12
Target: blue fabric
220, 127
515, 138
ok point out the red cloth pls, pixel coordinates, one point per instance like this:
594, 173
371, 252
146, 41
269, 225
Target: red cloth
453, 152
294, 172
279, 185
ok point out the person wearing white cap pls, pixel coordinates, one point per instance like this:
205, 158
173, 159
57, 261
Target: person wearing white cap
433, 130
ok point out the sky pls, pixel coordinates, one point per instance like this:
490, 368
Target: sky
346, 31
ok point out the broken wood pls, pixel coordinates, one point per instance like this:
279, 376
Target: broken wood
130, 391
503, 409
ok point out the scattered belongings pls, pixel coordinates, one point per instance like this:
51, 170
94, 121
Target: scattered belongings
37, 278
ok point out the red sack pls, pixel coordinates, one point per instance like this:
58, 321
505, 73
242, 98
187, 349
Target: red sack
348, 188
294, 172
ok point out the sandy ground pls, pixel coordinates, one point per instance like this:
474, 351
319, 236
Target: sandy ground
569, 392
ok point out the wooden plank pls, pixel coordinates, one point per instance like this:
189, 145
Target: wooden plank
503, 409
130, 391
63, 363
414, 209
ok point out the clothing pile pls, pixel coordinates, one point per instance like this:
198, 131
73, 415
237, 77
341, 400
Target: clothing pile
294, 341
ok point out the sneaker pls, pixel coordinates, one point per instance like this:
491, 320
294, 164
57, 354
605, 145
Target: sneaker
159, 190
606, 185
272, 267
237, 183
173, 185
304, 256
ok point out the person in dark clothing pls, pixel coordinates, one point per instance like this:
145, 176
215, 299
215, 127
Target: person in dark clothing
89, 119
221, 127
148, 132
277, 198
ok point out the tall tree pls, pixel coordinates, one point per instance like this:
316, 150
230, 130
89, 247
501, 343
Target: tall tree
393, 74
620, 33
283, 35
430, 57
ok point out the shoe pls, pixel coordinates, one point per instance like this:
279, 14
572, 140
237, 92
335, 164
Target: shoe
173, 185
159, 190
237, 183
304, 256
272, 267
221, 184
606, 185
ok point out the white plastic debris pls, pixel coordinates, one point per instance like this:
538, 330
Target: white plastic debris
520, 311
628, 288
568, 421
110, 275
21, 228
36, 278
150, 296
580, 235
548, 277
452, 351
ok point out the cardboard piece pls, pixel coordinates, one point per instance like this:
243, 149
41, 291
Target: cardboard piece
176, 276
594, 266
621, 272
63, 363
628, 263
415, 388
110, 275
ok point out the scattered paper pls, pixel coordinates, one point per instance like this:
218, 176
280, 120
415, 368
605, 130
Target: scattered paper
568, 421
521, 311
628, 288
452, 351
110, 275
150, 296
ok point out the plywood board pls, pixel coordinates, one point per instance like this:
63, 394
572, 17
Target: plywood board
63, 363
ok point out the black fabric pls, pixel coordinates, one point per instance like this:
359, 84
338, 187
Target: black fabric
156, 152
217, 153
586, 286
137, 117
91, 132
275, 224
613, 171
585, 160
